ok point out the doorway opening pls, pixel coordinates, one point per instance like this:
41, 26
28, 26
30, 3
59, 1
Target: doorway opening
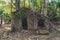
24, 24
41, 23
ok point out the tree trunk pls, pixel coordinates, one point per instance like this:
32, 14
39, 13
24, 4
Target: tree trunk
44, 12
17, 4
16, 23
43, 7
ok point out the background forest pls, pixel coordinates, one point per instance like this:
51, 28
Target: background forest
52, 6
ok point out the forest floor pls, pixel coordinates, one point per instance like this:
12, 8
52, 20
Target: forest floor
27, 35
55, 33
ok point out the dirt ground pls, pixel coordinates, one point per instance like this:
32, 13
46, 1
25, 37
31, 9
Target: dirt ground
55, 35
23, 35
27, 35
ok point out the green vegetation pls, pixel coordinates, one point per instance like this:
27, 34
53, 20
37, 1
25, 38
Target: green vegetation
54, 6
20, 14
1, 11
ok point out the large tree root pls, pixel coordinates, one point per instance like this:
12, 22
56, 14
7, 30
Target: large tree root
51, 25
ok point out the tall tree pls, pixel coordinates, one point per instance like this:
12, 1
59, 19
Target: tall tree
43, 13
16, 23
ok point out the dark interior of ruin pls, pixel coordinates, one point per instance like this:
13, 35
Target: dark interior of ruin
41, 23
24, 24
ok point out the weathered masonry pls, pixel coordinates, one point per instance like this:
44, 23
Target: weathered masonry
31, 21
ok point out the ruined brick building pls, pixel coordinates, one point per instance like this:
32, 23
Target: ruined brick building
31, 21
